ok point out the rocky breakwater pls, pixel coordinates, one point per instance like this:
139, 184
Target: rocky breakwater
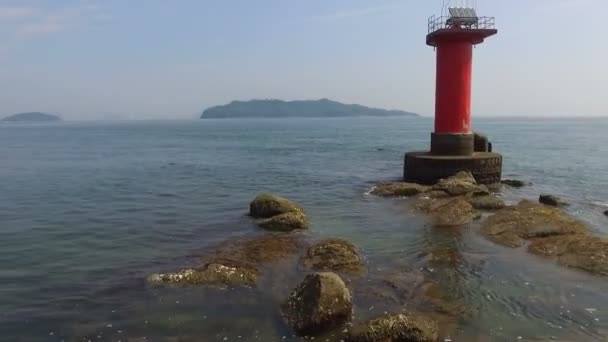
451, 202
548, 231
544, 228
323, 303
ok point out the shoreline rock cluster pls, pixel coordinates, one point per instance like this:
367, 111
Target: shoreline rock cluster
549, 232
322, 302
451, 202
543, 227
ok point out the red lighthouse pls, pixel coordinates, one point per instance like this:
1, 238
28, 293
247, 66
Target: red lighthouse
454, 146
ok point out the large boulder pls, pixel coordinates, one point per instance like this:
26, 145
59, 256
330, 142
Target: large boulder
212, 274
450, 212
293, 220
268, 205
321, 302
459, 184
399, 189
278, 213
487, 202
333, 255
396, 328
585, 252
514, 225
552, 200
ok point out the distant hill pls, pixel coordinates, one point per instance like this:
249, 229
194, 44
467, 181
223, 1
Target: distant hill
31, 117
287, 109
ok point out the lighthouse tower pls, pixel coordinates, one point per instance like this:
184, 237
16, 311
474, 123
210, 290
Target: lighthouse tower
454, 145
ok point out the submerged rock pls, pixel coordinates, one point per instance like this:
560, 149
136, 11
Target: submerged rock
234, 263
213, 274
514, 225
278, 213
551, 233
333, 255
606, 212
402, 327
514, 183
293, 220
488, 202
321, 302
459, 184
405, 285
399, 189
268, 205
551, 200
450, 212
585, 252
255, 251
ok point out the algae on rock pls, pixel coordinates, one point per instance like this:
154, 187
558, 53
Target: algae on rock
487, 202
320, 303
234, 263
402, 327
551, 233
333, 255
449, 212
213, 274
293, 220
461, 183
399, 189
268, 205
514, 225
277, 213
585, 252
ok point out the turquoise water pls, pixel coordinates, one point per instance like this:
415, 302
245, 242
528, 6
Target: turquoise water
88, 210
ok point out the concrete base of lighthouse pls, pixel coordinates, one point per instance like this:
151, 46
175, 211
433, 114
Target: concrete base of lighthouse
428, 168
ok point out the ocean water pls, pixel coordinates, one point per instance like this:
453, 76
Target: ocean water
89, 210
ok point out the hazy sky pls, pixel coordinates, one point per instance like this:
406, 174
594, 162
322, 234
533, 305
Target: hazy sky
163, 58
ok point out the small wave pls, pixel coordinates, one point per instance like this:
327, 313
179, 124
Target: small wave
369, 192
600, 204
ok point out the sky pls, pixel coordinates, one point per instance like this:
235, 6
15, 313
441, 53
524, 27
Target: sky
136, 59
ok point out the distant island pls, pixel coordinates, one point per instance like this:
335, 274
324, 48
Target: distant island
31, 118
292, 109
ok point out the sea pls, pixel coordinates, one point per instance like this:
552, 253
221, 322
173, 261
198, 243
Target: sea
88, 210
